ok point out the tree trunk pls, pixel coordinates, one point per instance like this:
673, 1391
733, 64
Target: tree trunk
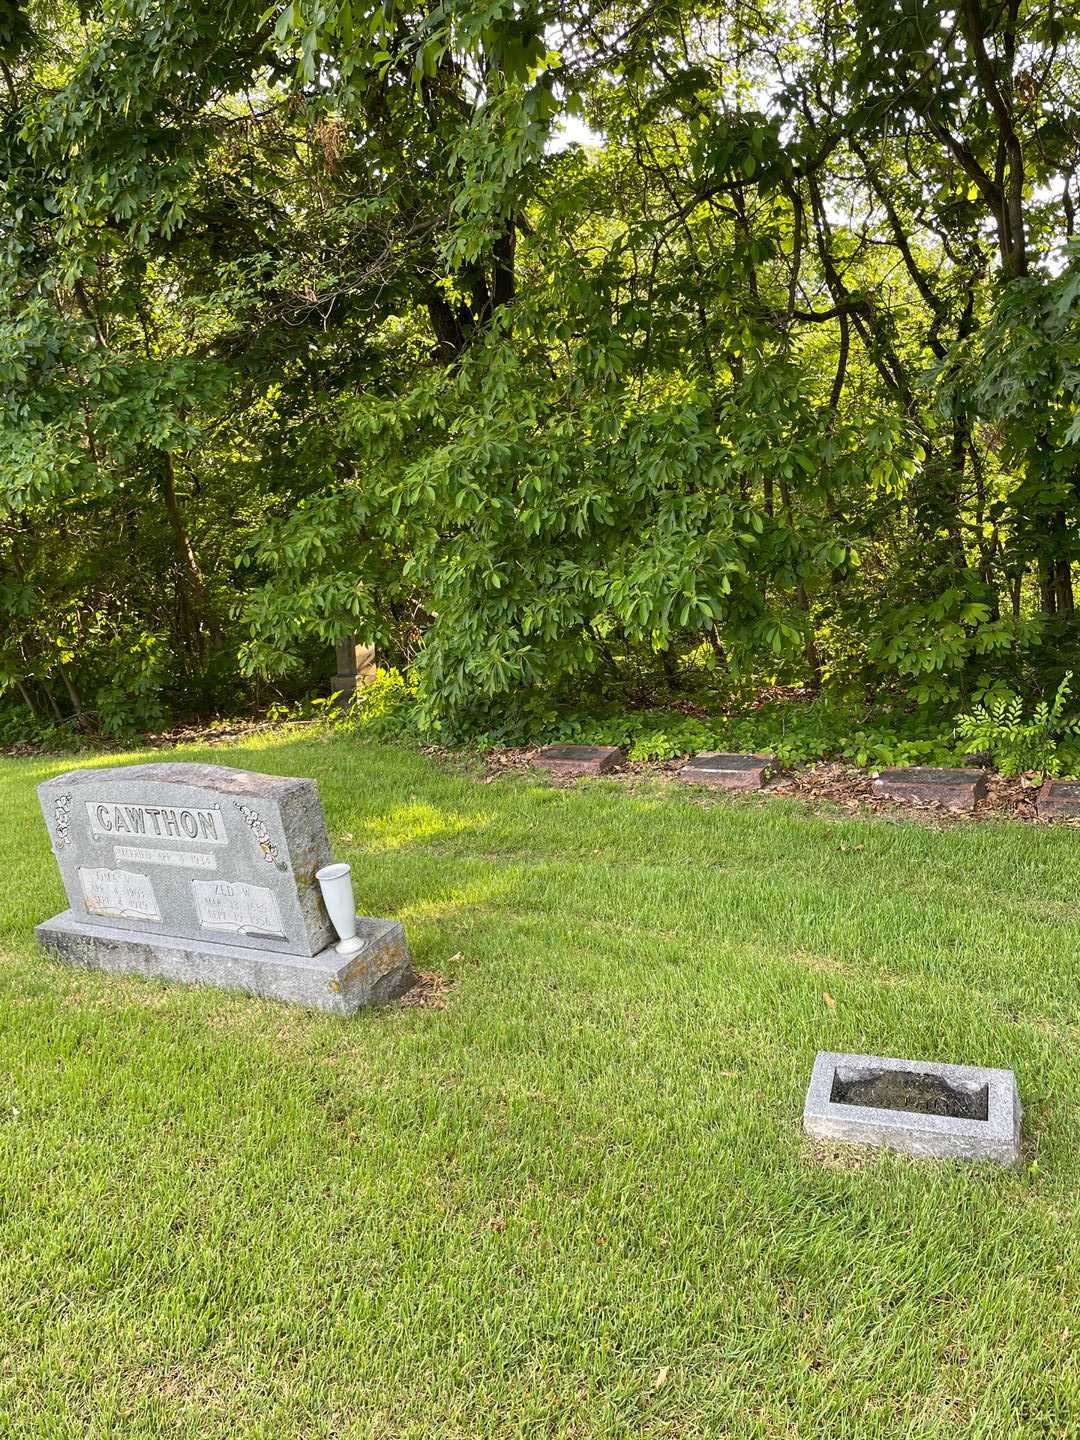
450, 331
192, 590
52, 703
503, 278
27, 701
73, 694
1047, 587
810, 649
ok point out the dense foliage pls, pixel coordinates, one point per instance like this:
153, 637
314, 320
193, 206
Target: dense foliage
318, 321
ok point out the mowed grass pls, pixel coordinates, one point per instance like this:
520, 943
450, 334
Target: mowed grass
576, 1201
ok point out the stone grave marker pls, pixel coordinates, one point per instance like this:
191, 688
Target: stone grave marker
1059, 800
954, 789
207, 874
727, 772
355, 668
579, 759
948, 1112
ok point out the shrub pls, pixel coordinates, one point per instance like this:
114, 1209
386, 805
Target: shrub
1018, 743
385, 709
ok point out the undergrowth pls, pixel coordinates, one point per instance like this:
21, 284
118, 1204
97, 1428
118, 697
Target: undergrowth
796, 730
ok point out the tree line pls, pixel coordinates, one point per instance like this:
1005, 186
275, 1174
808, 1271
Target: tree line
640, 345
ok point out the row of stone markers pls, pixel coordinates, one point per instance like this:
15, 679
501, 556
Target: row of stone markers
727, 772
960, 789
957, 789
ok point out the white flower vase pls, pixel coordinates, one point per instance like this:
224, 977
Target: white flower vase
335, 882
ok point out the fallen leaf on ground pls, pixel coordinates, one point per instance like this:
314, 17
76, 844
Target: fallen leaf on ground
828, 999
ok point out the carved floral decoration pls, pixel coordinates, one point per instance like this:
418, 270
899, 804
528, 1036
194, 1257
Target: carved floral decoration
259, 829
62, 820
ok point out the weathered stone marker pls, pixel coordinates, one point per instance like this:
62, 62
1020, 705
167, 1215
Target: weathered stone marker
579, 759
955, 789
1059, 800
949, 1112
355, 668
207, 874
727, 772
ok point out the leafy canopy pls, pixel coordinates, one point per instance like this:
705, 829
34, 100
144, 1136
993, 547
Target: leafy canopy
319, 321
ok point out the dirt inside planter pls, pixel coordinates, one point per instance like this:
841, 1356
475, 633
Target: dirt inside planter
910, 1090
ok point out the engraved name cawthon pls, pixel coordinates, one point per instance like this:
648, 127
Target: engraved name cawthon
166, 822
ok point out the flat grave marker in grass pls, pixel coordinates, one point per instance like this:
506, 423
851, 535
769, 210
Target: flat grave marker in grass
579, 759
954, 789
202, 873
1059, 800
946, 1112
727, 772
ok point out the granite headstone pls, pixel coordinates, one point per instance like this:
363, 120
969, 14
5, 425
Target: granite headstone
1059, 800
206, 874
727, 772
929, 785
355, 668
579, 759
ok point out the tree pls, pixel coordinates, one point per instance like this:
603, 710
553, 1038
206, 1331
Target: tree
314, 326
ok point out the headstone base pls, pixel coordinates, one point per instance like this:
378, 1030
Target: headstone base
338, 984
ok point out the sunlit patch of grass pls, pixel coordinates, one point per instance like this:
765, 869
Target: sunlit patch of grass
575, 1201
407, 824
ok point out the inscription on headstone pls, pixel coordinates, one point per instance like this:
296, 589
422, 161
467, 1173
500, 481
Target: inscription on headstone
236, 907
169, 822
204, 873
124, 894
195, 861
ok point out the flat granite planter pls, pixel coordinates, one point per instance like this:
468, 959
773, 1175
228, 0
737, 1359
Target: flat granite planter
579, 759
1059, 800
945, 1112
727, 772
955, 789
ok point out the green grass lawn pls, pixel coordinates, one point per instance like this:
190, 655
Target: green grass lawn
576, 1201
